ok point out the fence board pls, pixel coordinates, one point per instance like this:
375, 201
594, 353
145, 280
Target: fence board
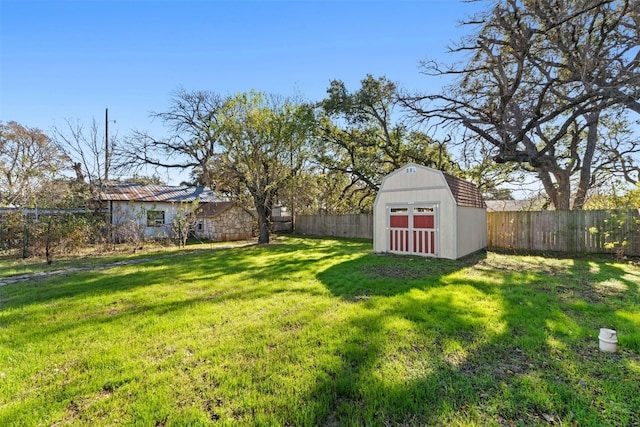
356, 225
564, 231
561, 231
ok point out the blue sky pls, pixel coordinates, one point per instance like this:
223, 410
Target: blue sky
69, 60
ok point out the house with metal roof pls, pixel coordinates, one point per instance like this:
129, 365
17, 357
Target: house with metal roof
426, 212
153, 208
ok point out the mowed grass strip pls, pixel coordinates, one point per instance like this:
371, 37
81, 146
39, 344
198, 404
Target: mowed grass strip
98, 256
323, 332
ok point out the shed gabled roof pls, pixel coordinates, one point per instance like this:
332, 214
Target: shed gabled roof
157, 193
464, 192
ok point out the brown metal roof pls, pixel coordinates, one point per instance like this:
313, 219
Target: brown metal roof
465, 193
210, 210
157, 193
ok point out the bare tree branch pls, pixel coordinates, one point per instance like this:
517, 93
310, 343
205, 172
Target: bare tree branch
541, 81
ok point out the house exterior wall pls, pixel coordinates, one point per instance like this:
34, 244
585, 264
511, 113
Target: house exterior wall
232, 224
120, 212
472, 230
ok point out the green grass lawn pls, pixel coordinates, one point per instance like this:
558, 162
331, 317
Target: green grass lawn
323, 332
12, 265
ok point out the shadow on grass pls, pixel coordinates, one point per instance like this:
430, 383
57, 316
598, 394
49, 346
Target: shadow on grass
255, 261
417, 341
388, 275
498, 345
216, 273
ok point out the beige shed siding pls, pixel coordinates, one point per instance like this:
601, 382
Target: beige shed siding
472, 230
423, 187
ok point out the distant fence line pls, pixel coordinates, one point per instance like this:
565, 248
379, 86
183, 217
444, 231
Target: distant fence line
281, 223
562, 231
354, 226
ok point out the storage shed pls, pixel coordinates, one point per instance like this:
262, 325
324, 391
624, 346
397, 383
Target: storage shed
424, 211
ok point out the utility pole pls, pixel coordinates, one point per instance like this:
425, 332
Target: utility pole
106, 145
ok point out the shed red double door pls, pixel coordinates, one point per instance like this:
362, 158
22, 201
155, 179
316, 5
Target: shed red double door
412, 230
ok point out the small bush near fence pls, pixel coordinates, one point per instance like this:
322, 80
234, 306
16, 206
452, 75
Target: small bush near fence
597, 231
56, 233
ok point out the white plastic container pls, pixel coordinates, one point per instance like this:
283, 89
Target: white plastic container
608, 340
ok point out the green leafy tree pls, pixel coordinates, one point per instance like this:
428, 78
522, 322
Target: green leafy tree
617, 231
616, 194
364, 136
249, 146
317, 190
264, 145
184, 221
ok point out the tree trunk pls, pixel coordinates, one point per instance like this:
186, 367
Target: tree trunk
263, 209
563, 185
587, 160
559, 192
549, 188
48, 252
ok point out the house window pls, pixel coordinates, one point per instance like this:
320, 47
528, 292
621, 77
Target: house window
155, 218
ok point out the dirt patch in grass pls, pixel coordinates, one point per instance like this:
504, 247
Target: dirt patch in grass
393, 272
403, 267
530, 265
591, 295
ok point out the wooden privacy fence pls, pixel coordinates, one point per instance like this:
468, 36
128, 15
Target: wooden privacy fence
562, 231
356, 225
565, 231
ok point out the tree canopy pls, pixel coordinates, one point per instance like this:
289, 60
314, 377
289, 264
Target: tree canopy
29, 161
264, 145
544, 86
365, 135
193, 140
248, 146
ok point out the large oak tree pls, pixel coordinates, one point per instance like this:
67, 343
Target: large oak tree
544, 83
264, 145
247, 146
364, 135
